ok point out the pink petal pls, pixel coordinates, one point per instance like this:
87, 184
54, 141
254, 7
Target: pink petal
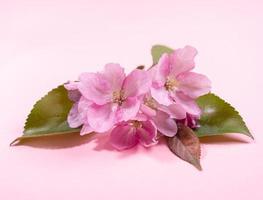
102, 118
74, 95
161, 95
73, 92
182, 60
193, 84
86, 129
164, 65
147, 134
166, 125
174, 110
161, 71
147, 110
129, 109
137, 83
188, 104
115, 75
71, 85
74, 118
140, 117
95, 87
84, 105
123, 137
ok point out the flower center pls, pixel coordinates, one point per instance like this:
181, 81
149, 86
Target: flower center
118, 97
150, 102
136, 124
171, 84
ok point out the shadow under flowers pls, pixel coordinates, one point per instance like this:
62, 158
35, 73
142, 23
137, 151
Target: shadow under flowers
57, 141
102, 141
225, 139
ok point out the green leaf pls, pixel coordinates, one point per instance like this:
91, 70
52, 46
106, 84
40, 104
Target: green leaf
49, 116
185, 144
219, 117
158, 50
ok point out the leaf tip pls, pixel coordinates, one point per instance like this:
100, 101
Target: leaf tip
250, 135
197, 165
15, 142
219, 117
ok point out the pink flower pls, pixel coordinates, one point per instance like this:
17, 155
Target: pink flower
113, 96
135, 106
173, 81
128, 134
163, 116
77, 116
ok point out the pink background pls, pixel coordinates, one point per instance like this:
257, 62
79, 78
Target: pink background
45, 43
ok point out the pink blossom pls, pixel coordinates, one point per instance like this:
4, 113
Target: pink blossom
135, 106
163, 116
173, 81
113, 96
128, 134
77, 116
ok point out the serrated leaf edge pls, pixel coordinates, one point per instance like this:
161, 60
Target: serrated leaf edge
23, 137
236, 112
37, 102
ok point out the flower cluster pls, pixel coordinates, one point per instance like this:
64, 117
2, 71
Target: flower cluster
137, 106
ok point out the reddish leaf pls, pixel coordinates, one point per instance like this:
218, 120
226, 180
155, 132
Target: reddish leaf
185, 144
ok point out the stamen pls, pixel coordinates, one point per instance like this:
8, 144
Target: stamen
150, 102
136, 124
171, 84
118, 97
